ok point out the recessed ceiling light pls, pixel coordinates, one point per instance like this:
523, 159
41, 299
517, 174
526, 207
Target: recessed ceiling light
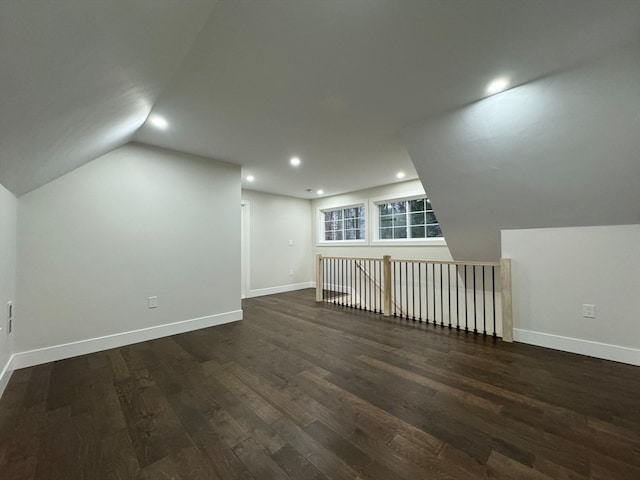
295, 161
320, 192
400, 175
498, 85
250, 178
158, 121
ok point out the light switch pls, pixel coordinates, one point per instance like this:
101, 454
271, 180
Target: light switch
588, 311
153, 302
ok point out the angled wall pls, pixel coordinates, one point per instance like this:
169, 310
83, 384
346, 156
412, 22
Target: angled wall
94, 244
560, 151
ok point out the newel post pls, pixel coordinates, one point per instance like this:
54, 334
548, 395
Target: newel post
507, 306
319, 279
386, 285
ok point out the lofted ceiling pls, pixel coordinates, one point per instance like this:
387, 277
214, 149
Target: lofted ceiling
561, 151
256, 82
78, 78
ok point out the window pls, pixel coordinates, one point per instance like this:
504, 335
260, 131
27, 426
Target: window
343, 224
407, 220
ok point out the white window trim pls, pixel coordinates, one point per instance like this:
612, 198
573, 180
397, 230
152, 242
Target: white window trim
321, 242
374, 230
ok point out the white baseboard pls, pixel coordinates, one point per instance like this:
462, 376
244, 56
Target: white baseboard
91, 345
576, 345
281, 289
5, 375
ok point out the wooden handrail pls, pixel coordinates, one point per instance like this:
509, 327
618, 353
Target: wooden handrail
445, 262
352, 258
437, 262
378, 285
367, 274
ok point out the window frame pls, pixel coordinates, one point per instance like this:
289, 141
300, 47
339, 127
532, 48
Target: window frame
374, 222
320, 225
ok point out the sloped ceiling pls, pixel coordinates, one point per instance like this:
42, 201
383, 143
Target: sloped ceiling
78, 78
331, 81
255, 82
558, 152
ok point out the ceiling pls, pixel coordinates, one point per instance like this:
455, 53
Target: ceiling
256, 82
561, 151
78, 78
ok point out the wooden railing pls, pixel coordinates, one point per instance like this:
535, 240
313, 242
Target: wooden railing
468, 296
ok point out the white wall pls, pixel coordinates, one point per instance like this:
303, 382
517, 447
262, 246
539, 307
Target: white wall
561, 151
274, 220
94, 244
8, 208
436, 251
557, 270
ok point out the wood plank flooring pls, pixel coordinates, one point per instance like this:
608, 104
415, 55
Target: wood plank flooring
300, 390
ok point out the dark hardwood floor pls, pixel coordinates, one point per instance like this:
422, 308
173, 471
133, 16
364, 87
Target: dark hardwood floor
300, 390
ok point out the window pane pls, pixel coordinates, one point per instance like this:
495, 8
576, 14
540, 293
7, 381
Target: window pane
416, 218
434, 231
418, 232
416, 205
350, 234
333, 236
361, 212
361, 233
330, 226
350, 212
385, 209
431, 218
399, 220
399, 207
348, 223
386, 233
427, 205
400, 232
336, 215
386, 221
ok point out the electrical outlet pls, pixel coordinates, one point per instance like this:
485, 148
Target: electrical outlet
290, 243
588, 310
153, 302
291, 272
